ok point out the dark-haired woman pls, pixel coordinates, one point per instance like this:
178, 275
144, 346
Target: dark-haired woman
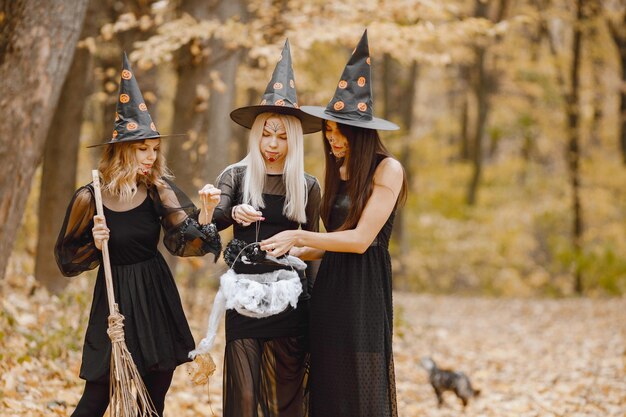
352, 371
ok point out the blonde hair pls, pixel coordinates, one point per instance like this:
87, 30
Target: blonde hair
118, 168
293, 171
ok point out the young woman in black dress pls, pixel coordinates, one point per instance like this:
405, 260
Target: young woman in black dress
352, 372
265, 193
139, 200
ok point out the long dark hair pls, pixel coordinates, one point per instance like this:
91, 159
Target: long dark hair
365, 148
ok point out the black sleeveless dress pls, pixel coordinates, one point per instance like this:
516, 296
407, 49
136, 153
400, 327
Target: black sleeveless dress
352, 371
155, 328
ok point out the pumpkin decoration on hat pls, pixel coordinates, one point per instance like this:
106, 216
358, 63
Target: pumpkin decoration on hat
132, 119
352, 101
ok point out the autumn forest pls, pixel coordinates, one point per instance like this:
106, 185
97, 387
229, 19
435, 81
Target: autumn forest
512, 120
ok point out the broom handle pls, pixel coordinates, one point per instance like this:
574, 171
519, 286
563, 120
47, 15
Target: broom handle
105, 244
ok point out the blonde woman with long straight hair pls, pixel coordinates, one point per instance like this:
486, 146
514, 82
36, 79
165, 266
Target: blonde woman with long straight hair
265, 361
139, 201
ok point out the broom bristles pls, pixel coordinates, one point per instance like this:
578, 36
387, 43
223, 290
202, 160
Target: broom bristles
129, 396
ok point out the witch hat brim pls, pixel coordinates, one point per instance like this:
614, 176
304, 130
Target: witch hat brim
279, 97
373, 123
245, 116
112, 142
132, 118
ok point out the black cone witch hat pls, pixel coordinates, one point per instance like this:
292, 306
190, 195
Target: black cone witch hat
132, 119
352, 103
279, 97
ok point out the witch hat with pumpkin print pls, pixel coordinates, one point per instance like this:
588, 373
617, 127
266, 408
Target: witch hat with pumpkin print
132, 119
352, 103
279, 97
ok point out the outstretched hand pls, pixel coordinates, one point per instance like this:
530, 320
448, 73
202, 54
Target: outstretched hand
210, 196
280, 243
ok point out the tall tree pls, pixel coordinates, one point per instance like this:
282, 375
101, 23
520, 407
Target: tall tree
61, 151
205, 96
570, 94
37, 44
191, 102
616, 20
408, 117
464, 151
573, 147
60, 158
58, 178
483, 86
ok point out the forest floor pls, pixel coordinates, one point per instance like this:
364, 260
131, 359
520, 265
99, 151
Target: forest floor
529, 357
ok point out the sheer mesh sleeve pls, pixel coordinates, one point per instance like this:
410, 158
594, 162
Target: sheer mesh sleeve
228, 182
183, 235
313, 205
75, 250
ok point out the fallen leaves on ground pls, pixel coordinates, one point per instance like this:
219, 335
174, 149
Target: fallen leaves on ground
529, 357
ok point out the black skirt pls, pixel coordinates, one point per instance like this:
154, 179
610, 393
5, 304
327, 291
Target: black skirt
155, 328
352, 371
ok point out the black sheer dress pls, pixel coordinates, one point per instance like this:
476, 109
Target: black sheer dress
155, 327
265, 359
352, 371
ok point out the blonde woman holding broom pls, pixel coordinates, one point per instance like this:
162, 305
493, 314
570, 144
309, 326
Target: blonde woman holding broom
139, 200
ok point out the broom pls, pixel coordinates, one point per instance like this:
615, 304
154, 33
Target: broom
127, 393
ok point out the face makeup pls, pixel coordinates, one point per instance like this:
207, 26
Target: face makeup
273, 143
339, 145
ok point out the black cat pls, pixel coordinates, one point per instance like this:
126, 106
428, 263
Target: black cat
446, 380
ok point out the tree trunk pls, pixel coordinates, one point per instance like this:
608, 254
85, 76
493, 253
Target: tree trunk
221, 103
573, 148
618, 33
483, 88
202, 108
597, 68
465, 151
622, 104
241, 133
480, 90
36, 49
402, 235
386, 82
58, 180
190, 111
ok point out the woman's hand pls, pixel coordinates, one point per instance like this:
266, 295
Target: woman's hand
280, 243
210, 196
297, 251
245, 214
307, 253
100, 231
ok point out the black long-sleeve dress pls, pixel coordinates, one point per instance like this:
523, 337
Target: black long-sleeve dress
352, 371
266, 357
155, 327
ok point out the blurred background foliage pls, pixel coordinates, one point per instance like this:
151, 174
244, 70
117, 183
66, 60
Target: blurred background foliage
513, 118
